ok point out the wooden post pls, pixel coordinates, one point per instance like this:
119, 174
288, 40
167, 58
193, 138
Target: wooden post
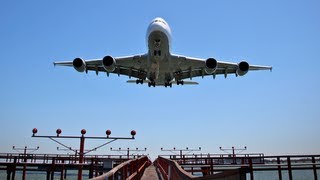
279, 168
91, 169
52, 168
289, 168
314, 168
24, 165
62, 171
65, 173
81, 157
251, 169
48, 174
211, 166
8, 172
14, 168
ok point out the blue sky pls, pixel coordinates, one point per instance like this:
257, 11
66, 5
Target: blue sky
274, 113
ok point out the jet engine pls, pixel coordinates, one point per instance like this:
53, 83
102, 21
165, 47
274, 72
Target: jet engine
79, 65
243, 68
211, 65
108, 63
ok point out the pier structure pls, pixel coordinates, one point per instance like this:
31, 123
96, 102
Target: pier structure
25, 150
12, 161
220, 166
53, 164
195, 166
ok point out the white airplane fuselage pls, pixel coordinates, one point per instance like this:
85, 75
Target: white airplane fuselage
159, 43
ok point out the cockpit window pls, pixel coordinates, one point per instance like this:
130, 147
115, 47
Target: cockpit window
159, 20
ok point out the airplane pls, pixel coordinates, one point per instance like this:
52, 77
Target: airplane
159, 67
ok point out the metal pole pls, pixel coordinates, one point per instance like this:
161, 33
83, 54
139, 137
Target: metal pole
25, 160
234, 156
82, 139
128, 153
81, 157
289, 168
279, 168
314, 168
14, 168
251, 169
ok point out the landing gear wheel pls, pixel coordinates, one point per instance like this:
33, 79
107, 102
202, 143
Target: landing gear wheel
179, 82
152, 83
168, 84
139, 81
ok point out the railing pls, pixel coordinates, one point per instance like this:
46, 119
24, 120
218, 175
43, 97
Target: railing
170, 169
131, 169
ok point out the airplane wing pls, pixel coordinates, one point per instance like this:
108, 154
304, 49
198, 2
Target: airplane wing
132, 66
189, 67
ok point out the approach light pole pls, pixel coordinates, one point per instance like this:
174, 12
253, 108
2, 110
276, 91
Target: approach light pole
233, 149
82, 138
128, 150
25, 149
187, 150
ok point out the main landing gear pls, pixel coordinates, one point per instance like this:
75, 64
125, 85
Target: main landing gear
139, 81
168, 84
152, 83
180, 82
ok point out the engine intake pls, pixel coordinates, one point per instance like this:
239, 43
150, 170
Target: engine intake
243, 68
211, 65
79, 65
108, 63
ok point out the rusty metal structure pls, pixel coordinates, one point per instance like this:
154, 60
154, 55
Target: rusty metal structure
131, 169
128, 151
181, 165
181, 151
53, 163
210, 166
25, 150
82, 139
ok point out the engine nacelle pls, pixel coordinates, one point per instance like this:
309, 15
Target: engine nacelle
79, 65
211, 65
243, 68
108, 63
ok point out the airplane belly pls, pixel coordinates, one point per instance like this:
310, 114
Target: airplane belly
158, 45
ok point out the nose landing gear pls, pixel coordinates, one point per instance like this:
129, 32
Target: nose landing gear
139, 81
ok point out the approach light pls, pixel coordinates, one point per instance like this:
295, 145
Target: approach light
34, 131
58, 131
108, 132
83, 131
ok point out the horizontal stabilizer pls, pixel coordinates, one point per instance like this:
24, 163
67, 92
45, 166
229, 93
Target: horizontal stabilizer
135, 81
186, 82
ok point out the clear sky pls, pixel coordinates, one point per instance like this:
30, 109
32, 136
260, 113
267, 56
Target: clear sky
274, 113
